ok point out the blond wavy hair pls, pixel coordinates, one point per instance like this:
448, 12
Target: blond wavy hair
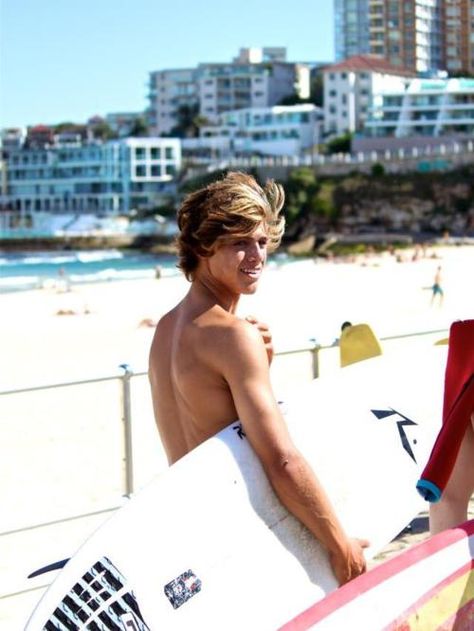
231, 207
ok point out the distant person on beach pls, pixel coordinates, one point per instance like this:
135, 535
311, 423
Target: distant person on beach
209, 367
63, 284
437, 289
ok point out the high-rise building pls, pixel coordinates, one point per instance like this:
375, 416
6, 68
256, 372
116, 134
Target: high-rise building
425, 36
351, 27
458, 36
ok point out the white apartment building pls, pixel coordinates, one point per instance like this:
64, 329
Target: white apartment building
108, 178
423, 108
348, 90
168, 91
256, 78
268, 131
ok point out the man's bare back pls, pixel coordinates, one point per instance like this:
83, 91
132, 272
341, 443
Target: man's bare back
191, 399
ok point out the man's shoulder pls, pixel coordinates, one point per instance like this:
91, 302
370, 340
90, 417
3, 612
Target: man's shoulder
235, 346
219, 323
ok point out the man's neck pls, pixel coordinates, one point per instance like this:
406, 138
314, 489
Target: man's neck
208, 292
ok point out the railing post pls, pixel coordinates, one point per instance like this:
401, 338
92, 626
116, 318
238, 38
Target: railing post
127, 428
315, 359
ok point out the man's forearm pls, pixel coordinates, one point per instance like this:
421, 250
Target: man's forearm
302, 494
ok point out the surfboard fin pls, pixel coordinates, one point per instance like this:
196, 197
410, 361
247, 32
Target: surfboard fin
57, 565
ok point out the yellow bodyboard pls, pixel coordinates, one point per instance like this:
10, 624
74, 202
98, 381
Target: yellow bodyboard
358, 342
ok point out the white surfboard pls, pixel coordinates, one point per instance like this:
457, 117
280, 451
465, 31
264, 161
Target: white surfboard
428, 587
207, 545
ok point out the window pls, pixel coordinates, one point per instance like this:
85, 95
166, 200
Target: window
140, 153
155, 153
140, 170
169, 153
155, 170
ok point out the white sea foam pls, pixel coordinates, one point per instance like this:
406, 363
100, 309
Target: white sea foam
8, 283
98, 255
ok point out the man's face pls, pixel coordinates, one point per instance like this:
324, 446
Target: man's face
239, 262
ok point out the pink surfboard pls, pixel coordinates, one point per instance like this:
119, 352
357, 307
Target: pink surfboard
429, 587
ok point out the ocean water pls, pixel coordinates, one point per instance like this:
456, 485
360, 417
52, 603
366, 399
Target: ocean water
21, 271
33, 270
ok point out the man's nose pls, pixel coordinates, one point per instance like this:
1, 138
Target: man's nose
255, 252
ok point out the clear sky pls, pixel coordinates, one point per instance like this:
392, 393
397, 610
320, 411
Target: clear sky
67, 60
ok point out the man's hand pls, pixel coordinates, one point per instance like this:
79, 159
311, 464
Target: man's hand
266, 336
351, 563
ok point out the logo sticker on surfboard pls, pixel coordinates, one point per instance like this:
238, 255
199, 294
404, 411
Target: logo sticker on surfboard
182, 588
99, 600
401, 421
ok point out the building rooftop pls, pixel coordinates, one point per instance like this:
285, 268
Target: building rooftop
371, 63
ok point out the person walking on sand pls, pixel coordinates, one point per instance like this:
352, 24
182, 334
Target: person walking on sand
437, 289
209, 367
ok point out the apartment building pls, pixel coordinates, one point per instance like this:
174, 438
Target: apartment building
349, 87
266, 131
107, 178
421, 109
424, 36
170, 90
256, 78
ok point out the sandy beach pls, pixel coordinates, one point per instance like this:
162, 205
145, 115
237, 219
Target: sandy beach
62, 448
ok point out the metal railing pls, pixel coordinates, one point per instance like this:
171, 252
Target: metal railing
128, 374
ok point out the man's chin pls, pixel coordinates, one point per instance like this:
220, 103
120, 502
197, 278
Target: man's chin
251, 289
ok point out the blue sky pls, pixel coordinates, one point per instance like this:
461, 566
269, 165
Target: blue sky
67, 60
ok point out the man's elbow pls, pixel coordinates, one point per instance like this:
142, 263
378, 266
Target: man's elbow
285, 467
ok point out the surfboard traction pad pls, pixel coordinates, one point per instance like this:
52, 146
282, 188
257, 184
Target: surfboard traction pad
100, 600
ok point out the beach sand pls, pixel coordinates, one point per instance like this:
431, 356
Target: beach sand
62, 448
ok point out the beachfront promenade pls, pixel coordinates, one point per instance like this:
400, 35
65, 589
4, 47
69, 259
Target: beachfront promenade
63, 449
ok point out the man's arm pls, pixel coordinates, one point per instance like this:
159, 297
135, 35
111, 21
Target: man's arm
244, 365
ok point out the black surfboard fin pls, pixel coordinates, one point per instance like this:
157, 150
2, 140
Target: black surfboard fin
57, 565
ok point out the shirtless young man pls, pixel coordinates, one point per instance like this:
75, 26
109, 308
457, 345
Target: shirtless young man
209, 367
